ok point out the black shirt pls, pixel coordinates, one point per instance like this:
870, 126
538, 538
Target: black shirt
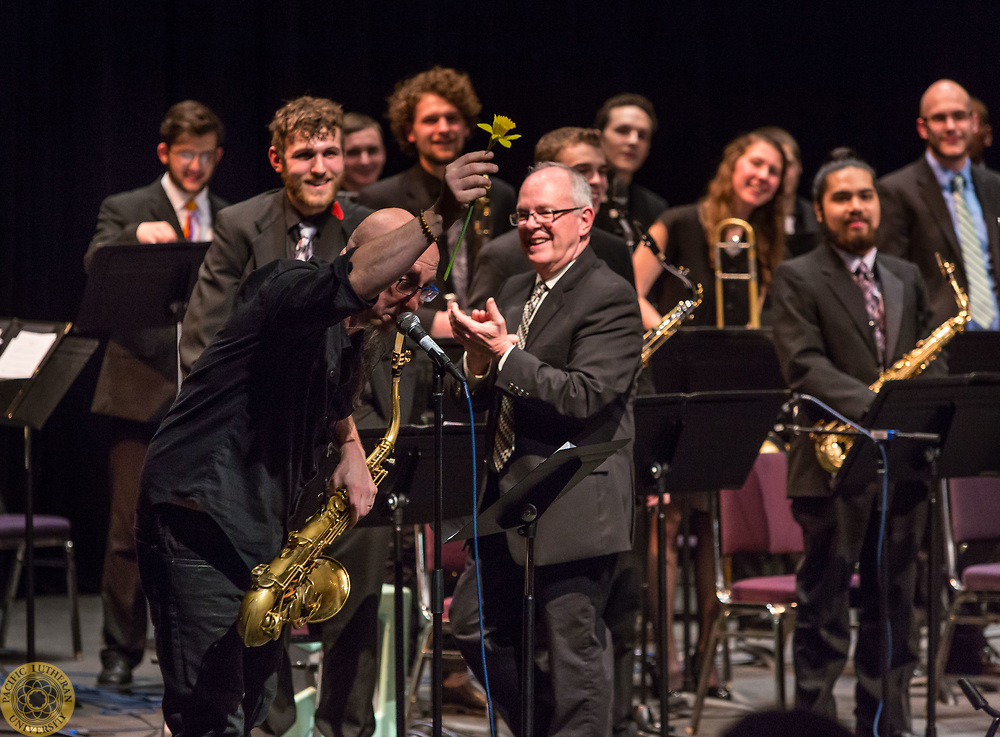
245, 433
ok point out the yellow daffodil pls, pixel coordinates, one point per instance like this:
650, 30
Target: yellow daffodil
500, 131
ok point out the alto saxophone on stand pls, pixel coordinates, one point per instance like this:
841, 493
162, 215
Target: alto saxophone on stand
303, 585
832, 448
655, 337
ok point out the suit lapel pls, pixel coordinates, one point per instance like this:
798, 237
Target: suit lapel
553, 302
269, 245
933, 198
846, 291
163, 210
892, 298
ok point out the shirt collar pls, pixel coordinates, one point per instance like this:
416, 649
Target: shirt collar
179, 198
944, 176
554, 279
852, 261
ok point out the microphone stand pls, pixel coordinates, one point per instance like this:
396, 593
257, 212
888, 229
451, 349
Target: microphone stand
437, 575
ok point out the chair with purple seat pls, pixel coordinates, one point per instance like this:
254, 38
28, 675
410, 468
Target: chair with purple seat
754, 519
50, 531
970, 511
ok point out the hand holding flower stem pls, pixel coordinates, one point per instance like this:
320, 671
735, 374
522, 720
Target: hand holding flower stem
499, 133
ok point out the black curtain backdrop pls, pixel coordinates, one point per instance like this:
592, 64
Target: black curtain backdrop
85, 86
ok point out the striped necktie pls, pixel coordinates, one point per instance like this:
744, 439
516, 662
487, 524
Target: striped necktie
304, 248
503, 441
982, 304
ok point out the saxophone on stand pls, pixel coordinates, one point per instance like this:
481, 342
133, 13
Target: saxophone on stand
302, 584
831, 448
653, 338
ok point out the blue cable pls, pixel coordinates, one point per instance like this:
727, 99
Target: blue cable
881, 529
475, 549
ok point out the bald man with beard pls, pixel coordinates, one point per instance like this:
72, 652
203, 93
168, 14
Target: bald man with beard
227, 468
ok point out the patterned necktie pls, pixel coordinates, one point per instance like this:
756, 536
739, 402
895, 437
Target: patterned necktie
874, 306
191, 221
304, 248
503, 442
982, 307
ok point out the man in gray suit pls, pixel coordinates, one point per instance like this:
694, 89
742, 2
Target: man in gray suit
942, 204
842, 313
138, 379
567, 376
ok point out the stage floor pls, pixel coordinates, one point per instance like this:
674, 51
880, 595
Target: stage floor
100, 712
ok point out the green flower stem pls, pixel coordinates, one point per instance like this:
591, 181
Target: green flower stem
468, 219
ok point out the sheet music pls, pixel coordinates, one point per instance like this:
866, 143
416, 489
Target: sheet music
24, 354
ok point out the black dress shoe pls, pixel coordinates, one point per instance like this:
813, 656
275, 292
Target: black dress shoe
116, 673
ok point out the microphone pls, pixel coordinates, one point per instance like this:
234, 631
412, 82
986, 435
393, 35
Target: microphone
410, 324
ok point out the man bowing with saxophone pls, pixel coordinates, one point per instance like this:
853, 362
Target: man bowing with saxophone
842, 314
225, 470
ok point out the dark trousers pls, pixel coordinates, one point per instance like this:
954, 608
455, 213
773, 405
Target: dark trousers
840, 531
350, 638
195, 581
573, 663
124, 604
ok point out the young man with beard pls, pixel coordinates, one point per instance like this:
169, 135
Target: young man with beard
842, 313
138, 379
226, 469
942, 204
302, 220
431, 115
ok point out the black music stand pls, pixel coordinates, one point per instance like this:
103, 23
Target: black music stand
952, 409
520, 507
698, 359
139, 285
28, 403
678, 432
405, 497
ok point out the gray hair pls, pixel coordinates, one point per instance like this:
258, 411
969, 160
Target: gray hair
579, 189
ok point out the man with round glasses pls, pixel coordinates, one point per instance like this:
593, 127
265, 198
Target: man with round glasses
138, 379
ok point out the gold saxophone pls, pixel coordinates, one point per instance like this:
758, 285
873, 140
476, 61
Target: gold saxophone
831, 449
303, 585
655, 337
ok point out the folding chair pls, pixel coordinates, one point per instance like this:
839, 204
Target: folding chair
50, 531
754, 519
970, 511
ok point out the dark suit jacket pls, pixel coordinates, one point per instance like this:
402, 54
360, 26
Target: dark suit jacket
247, 236
916, 224
503, 257
826, 347
138, 379
414, 190
573, 381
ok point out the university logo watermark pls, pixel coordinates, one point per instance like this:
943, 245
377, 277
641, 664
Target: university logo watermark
37, 699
